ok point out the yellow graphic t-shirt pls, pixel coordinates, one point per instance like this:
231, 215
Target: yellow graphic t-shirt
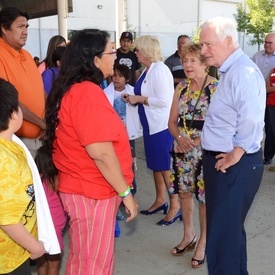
17, 203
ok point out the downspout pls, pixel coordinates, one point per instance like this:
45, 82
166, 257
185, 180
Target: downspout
139, 17
62, 10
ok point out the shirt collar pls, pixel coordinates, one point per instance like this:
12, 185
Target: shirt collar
176, 54
230, 60
15, 53
266, 54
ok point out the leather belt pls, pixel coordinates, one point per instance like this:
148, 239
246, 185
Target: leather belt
211, 153
215, 153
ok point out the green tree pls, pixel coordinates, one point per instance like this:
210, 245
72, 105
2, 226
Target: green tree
258, 21
196, 35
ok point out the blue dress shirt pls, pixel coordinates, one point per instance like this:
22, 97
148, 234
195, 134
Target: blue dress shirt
235, 117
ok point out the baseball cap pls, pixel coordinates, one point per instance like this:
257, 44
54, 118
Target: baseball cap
127, 35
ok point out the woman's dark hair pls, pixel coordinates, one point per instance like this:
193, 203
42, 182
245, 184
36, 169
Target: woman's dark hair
77, 66
8, 16
45, 166
54, 42
8, 103
58, 54
124, 71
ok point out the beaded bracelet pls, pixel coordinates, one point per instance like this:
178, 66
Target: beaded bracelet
126, 193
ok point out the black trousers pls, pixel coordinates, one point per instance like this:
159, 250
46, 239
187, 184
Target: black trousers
269, 144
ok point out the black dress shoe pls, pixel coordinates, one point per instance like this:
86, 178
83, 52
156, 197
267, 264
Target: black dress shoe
267, 161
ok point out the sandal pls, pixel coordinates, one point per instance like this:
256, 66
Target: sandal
200, 262
188, 248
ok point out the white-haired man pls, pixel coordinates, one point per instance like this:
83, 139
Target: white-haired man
231, 139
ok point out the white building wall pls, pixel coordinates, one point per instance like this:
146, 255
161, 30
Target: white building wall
85, 15
166, 19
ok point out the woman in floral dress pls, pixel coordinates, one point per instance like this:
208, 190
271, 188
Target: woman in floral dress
191, 100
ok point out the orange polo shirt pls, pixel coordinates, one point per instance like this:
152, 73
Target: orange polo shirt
19, 69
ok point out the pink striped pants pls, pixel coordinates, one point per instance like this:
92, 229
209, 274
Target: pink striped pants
92, 225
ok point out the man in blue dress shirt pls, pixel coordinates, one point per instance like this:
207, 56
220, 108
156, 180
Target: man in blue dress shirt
231, 139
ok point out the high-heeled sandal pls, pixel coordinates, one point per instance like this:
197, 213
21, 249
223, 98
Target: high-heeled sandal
188, 248
200, 262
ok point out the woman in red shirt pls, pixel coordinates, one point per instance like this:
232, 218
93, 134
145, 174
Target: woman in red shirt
91, 150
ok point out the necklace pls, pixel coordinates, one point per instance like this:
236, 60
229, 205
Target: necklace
185, 109
189, 131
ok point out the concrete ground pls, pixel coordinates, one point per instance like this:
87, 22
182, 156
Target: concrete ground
144, 248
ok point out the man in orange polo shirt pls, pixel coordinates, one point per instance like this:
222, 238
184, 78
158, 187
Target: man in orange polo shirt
17, 67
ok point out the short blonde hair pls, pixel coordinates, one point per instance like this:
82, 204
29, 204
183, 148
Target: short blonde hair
149, 46
193, 48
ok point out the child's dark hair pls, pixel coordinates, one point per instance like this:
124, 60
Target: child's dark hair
124, 71
45, 165
8, 103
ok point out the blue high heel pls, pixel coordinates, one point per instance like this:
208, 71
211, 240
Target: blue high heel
165, 223
163, 207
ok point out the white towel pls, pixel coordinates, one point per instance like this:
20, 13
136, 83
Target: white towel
46, 231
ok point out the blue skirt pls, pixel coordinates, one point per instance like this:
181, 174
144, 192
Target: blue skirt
157, 150
157, 146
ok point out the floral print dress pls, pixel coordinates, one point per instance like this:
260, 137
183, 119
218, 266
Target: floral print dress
186, 169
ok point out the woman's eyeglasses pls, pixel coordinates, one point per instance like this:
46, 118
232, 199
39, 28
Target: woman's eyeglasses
114, 51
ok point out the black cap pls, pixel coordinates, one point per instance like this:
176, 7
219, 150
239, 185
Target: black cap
127, 35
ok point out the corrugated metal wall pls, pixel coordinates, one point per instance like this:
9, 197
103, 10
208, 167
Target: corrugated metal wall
36, 8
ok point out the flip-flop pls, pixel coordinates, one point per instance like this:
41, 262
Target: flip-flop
120, 216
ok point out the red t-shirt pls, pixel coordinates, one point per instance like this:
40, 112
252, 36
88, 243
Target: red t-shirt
86, 117
271, 96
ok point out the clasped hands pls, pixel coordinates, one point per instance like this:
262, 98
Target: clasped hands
185, 145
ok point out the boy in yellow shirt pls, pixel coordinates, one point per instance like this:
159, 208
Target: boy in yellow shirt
18, 229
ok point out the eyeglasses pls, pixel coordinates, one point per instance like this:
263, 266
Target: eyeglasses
269, 43
114, 51
137, 50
